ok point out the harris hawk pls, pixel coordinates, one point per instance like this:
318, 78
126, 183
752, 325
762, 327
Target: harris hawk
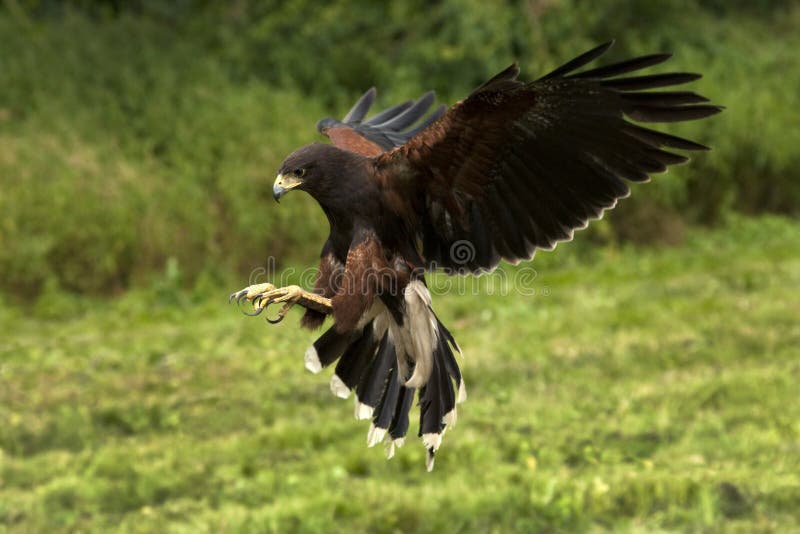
514, 167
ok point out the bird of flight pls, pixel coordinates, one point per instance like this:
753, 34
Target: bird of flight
514, 167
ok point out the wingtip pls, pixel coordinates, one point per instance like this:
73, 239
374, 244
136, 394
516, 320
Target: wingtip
608, 44
601, 49
428, 95
440, 110
361, 107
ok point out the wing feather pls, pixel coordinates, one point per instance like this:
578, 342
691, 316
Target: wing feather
580, 61
518, 166
361, 107
383, 131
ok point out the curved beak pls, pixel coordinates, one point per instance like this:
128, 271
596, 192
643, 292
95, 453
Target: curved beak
283, 184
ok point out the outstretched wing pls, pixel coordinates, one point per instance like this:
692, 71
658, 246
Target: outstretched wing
519, 166
383, 131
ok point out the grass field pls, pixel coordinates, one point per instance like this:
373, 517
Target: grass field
635, 390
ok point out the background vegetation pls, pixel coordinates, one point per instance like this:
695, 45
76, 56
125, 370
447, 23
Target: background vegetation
641, 388
132, 133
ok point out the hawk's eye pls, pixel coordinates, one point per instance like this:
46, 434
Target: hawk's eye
300, 173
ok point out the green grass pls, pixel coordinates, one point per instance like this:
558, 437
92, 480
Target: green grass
637, 390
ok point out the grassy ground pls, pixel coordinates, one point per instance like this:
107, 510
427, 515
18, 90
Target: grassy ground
636, 390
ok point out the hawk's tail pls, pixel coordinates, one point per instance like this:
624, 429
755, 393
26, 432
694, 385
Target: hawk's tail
368, 364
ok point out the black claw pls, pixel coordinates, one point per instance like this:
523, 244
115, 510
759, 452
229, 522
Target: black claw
254, 313
238, 296
275, 321
281, 314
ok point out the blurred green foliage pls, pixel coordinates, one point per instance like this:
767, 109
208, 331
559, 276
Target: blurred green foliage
133, 134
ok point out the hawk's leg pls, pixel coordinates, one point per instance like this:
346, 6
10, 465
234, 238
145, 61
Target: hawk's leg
262, 295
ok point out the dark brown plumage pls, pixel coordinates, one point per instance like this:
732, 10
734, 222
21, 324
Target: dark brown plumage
513, 168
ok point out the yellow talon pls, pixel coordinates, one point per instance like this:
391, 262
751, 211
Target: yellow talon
263, 295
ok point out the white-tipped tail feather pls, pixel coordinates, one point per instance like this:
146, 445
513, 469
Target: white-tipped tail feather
420, 333
432, 441
450, 418
462, 392
390, 362
362, 411
339, 388
429, 459
375, 435
312, 360
392, 445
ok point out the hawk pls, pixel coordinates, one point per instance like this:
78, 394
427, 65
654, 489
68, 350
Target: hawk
514, 167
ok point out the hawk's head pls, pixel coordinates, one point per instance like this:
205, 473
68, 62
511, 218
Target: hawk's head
321, 170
